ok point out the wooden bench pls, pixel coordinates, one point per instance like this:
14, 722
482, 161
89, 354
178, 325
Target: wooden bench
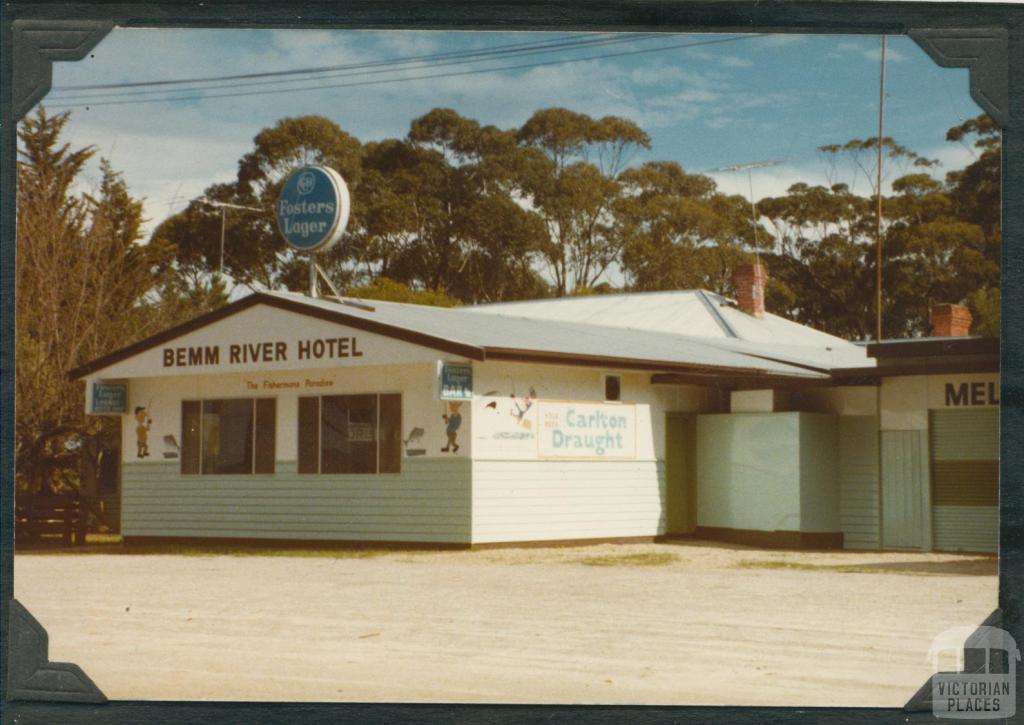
46, 517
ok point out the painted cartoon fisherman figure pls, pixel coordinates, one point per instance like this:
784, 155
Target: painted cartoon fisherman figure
452, 419
142, 431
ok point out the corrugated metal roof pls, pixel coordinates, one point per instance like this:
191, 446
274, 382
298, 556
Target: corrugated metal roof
698, 315
674, 312
826, 357
503, 334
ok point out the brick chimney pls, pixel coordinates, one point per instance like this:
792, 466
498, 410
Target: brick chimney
951, 320
749, 281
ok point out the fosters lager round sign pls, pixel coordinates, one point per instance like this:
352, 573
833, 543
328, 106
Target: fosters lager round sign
313, 208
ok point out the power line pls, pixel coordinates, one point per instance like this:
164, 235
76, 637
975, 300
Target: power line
435, 76
568, 39
359, 69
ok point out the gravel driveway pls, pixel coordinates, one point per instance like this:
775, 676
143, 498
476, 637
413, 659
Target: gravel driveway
690, 623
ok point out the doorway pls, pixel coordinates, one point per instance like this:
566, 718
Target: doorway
905, 495
680, 473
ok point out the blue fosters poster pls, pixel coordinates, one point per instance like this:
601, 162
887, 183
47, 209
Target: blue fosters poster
109, 398
456, 382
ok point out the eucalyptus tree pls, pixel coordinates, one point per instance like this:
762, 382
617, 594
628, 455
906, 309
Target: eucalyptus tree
822, 261
976, 194
861, 159
940, 240
932, 254
678, 231
476, 241
575, 189
975, 190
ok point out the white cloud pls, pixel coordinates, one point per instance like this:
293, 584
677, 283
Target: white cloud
731, 61
662, 73
769, 182
720, 121
951, 156
891, 55
404, 43
775, 180
872, 52
157, 153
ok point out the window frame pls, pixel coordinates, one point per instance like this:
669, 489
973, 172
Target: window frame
254, 431
379, 440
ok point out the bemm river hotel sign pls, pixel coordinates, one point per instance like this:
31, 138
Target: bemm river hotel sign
313, 208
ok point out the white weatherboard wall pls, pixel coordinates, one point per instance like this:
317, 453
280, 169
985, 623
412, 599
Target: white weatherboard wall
551, 500
519, 496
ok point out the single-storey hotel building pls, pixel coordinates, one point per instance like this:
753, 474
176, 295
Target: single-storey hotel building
283, 417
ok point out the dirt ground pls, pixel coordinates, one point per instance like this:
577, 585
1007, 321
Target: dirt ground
687, 623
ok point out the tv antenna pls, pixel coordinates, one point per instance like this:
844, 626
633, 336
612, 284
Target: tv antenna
749, 167
223, 205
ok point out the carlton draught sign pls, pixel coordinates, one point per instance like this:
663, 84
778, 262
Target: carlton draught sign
586, 430
313, 208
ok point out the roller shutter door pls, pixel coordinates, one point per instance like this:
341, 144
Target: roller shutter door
965, 479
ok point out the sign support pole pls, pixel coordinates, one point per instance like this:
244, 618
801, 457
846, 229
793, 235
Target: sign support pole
314, 281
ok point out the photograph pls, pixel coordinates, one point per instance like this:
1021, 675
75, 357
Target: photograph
529, 367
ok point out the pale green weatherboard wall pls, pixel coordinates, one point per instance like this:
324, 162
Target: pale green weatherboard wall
429, 501
748, 471
819, 479
768, 472
858, 482
542, 500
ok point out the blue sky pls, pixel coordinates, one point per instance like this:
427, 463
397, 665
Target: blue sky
706, 106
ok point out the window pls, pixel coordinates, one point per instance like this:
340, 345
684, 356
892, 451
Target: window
350, 434
234, 435
612, 387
